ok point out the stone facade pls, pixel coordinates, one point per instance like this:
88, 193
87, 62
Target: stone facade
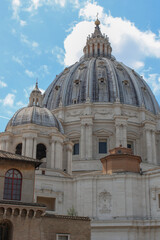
96, 102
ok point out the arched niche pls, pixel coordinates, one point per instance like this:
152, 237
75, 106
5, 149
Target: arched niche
19, 149
41, 151
6, 229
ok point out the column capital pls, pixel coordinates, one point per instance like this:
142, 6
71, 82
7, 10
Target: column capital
120, 120
87, 120
148, 125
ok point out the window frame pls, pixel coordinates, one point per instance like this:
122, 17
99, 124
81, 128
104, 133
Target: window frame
19, 144
76, 142
132, 143
38, 151
101, 140
62, 235
12, 184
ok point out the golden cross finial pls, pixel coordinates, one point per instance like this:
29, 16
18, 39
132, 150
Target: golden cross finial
97, 22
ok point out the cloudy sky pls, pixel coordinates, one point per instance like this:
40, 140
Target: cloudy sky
38, 38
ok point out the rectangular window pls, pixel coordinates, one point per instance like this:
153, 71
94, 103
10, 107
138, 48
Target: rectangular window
76, 149
63, 237
130, 145
102, 146
49, 202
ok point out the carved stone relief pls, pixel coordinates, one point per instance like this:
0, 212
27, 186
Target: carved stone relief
74, 113
104, 202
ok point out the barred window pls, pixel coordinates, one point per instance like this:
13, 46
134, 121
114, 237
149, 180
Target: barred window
12, 185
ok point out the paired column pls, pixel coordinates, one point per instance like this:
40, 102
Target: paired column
29, 144
86, 146
121, 131
5, 142
29, 147
56, 160
59, 154
83, 143
69, 148
52, 162
150, 142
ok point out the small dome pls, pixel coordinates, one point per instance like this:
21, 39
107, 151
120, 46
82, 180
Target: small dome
36, 115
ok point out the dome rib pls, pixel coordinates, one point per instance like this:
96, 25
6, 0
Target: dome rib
114, 88
67, 83
114, 79
134, 81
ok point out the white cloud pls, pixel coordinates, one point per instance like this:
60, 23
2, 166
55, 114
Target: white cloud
13, 31
17, 60
2, 84
35, 4
8, 100
59, 53
130, 45
20, 104
154, 82
89, 12
26, 94
25, 40
14, 90
23, 23
29, 73
35, 44
44, 68
15, 6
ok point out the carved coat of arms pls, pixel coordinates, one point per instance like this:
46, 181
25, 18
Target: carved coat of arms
105, 202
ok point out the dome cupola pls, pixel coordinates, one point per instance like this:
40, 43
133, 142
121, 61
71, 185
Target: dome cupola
99, 77
35, 113
35, 98
97, 44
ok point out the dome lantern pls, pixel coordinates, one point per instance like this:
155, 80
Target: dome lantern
35, 98
97, 45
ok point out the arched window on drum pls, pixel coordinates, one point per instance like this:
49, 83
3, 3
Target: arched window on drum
41, 151
12, 185
19, 149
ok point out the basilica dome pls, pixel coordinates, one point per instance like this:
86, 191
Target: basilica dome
35, 113
99, 78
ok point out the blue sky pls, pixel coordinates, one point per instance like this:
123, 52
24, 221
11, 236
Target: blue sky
39, 38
